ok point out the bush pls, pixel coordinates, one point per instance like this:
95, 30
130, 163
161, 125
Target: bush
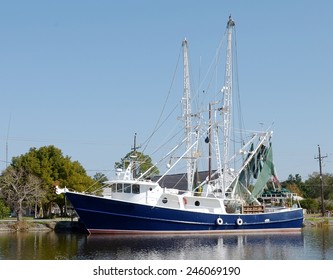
4, 210
310, 204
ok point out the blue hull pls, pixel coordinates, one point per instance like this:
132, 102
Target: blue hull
100, 215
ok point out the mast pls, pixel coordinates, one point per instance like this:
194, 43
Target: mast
227, 101
186, 100
209, 137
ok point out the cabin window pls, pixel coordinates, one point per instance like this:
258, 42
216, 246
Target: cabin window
119, 187
136, 188
127, 188
113, 187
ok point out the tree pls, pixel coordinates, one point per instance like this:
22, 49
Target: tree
297, 180
312, 189
293, 184
99, 179
18, 189
143, 163
54, 169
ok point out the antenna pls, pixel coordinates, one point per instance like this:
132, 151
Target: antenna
320, 158
135, 147
10, 117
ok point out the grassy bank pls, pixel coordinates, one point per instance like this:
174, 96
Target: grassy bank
29, 224
317, 220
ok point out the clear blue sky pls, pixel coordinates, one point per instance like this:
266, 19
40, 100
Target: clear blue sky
86, 75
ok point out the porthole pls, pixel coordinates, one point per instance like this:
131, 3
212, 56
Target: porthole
197, 203
165, 200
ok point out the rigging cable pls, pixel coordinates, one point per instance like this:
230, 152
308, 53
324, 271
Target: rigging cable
158, 125
214, 63
238, 103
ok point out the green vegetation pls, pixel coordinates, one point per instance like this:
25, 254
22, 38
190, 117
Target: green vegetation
4, 209
310, 190
27, 185
30, 181
144, 163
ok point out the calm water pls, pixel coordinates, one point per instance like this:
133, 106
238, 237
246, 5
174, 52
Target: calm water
310, 244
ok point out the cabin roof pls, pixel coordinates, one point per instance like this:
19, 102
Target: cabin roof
179, 181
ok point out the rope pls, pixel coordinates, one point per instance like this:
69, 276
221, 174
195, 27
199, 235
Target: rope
158, 125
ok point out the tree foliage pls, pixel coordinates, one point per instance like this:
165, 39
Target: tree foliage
100, 178
312, 186
294, 184
54, 169
19, 189
310, 190
311, 205
49, 164
4, 209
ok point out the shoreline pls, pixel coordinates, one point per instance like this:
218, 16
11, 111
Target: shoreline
44, 225
74, 226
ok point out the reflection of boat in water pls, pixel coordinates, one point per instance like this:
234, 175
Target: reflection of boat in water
229, 246
227, 199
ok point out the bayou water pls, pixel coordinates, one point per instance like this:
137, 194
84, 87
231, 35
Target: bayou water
312, 243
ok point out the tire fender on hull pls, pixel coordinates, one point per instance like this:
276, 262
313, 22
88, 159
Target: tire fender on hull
219, 221
239, 221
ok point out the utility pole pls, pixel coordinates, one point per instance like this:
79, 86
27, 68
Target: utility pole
320, 158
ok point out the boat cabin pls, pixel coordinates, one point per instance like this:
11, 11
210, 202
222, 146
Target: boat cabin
133, 191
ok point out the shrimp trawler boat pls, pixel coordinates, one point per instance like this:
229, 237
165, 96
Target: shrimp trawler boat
227, 199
